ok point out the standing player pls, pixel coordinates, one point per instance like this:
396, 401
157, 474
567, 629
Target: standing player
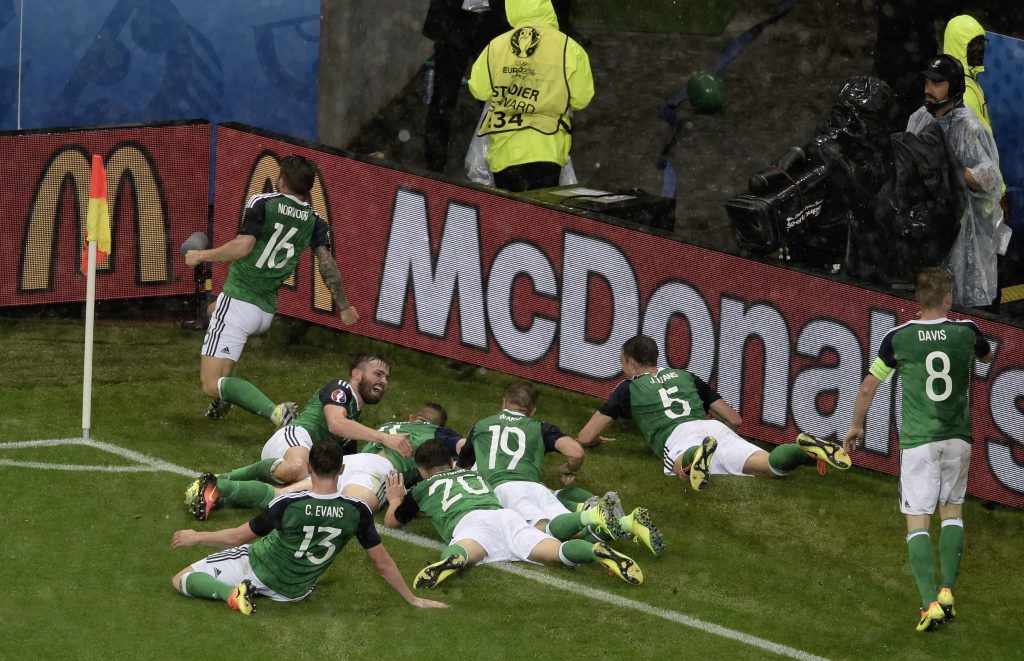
296, 540
508, 450
478, 530
275, 229
934, 356
671, 407
332, 413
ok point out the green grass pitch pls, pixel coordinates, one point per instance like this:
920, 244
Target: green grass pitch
810, 565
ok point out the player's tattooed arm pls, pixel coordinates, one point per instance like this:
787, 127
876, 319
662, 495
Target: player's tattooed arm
332, 278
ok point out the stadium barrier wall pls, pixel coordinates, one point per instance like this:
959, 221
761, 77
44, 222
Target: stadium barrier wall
157, 188
481, 277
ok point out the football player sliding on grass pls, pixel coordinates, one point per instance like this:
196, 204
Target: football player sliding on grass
671, 406
477, 529
293, 542
332, 413
508, 450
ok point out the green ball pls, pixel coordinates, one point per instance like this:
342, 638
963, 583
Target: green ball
706, 92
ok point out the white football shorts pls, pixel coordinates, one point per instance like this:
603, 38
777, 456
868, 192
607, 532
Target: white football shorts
934, 474
369, 471
531, 500
231, 324
232, 567
730, 457
503, 534
285, 438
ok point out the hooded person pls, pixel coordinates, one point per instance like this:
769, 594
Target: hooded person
983, 234
534, 77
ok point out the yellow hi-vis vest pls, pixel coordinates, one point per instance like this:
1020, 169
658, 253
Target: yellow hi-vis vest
529, 89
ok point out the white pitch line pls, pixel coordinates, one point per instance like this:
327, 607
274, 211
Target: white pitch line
14, 445
78, 467
152, 463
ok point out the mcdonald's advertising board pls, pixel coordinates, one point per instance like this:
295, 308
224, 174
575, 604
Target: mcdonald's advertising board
551, 296
157, 187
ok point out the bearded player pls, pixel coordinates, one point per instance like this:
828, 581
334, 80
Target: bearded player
332, 413
275, 229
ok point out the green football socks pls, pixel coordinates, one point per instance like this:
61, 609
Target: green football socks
566, 526
951, 549
245, 493
783, 459
572, 497
204, 586
261, 471
242, 393
576, 551
452, 549
922, 564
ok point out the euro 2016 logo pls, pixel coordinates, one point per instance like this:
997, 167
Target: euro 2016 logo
524, 42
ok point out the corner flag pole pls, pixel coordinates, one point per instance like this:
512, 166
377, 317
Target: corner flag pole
97, 235
90, 309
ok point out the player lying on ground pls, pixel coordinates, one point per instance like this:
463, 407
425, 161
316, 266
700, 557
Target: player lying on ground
296, 540
477, 529
670, 407
508, 451
276, 228
332, 413
935, 357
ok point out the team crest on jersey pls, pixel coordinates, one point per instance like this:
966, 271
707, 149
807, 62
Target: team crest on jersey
339, 396
524, 42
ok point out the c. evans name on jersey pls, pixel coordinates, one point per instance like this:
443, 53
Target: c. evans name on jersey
333, 511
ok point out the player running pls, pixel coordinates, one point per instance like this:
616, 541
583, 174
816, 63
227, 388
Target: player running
332, 413
671, 406
276, 228
477, 529
294, 541
934, 356
508, 450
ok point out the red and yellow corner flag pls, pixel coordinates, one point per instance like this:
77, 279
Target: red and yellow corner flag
98, 220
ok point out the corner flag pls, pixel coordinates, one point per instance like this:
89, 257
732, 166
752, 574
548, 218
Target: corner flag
98, 220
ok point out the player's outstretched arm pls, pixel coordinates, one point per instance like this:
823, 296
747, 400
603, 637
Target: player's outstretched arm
223, 538
332, 278
855, 437
232, 251
590, 435
726, 414
388, 570
573, 453
395, 484
339, 424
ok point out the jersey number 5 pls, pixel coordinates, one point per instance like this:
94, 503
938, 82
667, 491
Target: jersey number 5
668, 401
331, 533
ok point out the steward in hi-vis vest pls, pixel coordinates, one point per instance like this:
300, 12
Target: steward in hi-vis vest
533, 75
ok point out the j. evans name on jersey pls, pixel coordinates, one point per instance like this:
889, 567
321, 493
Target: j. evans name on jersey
333, 511
810, 371
287, 210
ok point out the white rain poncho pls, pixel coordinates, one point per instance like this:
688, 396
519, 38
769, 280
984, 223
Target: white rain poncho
983, 234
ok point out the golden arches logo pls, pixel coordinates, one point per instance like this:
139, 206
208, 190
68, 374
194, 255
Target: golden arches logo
263, 179
127, 165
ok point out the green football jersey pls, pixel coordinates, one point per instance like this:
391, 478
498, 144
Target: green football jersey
419, 433
510, 447
660, 402
934, 359
283, 226
312, 418
301, 534
447, 497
